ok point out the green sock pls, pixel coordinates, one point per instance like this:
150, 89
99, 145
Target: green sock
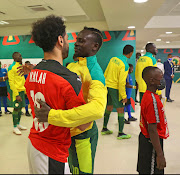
15, 118
106, 118
19, 116
121, 122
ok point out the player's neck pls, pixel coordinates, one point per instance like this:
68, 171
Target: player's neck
152, 89
53, 56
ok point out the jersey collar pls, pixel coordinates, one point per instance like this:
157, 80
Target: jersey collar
148, 54
124, 57
89, 60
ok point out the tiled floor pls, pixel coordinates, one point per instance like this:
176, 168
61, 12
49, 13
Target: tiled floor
113, 156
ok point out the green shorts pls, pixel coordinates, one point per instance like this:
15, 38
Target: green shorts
113, 98
21, 104
82, 151
141, 96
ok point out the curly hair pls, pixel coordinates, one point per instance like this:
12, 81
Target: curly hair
45, 32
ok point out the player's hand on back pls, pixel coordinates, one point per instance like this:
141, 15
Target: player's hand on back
161, 162
42, 113
25, 69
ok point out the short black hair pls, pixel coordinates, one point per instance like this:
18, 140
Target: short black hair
148, 46
128, 49
148, 70
130, 65
45, 32
98, 35
13, 55
138, 53
27, 62
169, 55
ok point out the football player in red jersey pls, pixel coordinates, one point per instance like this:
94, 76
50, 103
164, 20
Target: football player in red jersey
59, 88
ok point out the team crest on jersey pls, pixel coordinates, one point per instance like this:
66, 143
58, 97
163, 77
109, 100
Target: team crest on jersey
79, 78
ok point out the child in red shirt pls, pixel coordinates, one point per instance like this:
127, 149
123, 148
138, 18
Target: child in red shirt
153, 125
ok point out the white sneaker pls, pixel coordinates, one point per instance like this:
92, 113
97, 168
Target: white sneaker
21, 127
16, 131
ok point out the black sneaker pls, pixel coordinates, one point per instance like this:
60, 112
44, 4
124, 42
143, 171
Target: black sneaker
8, 112
0, 112
28, 114
126, 121
132, 119
169, 100
0, 115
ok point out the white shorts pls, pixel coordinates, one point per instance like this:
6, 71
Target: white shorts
39, 163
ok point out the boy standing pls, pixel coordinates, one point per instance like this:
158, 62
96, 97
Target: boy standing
129, 87
153, 125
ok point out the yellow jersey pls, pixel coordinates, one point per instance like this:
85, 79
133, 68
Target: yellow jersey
143, 62
116, 74
16, 82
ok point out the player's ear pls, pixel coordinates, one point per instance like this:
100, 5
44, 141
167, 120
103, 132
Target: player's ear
95, 47
60, 40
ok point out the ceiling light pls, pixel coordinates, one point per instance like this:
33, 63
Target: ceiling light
158, 39
131, 27
142, 50
168, 32
140, 1
167, 42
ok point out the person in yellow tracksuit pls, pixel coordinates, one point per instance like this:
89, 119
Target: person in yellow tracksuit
16, 83
84, 137
116, 75
144, 61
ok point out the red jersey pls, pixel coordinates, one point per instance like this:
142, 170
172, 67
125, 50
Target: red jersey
60, 89
152, 111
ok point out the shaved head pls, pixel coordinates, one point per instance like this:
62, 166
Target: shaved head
17, 57
151, 47
150, 73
